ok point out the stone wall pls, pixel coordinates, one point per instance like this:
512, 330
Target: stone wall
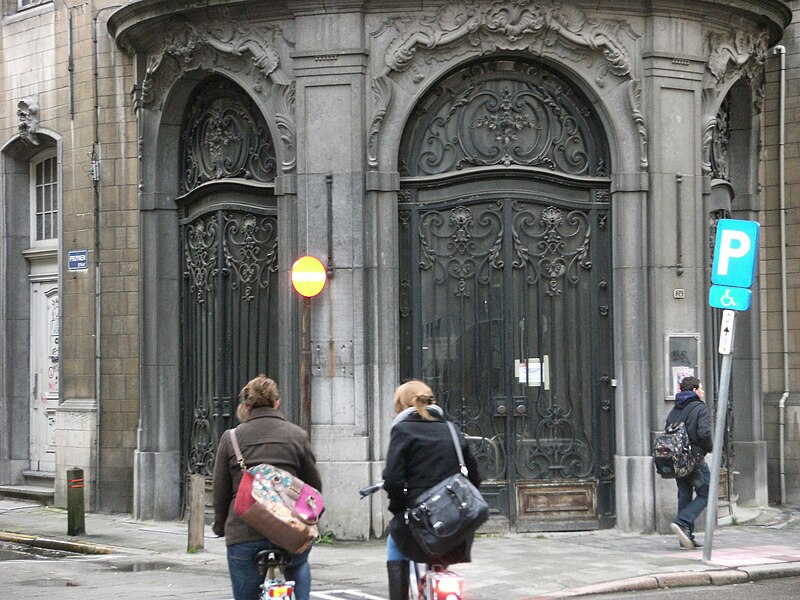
770, 265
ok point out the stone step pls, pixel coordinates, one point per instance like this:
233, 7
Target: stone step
36, 493
39, 478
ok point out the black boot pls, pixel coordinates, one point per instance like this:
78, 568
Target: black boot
398, 579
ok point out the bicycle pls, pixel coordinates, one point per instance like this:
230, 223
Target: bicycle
272, 567
427, 582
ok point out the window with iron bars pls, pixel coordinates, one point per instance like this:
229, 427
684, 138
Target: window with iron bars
44, 192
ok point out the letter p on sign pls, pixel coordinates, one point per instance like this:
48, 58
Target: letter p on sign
735, 253
736, 244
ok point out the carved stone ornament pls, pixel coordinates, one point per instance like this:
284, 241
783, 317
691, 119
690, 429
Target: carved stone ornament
191, 48
382, 92
736, 53
635, 100
186, 47
538, 27
533, 25
28, 113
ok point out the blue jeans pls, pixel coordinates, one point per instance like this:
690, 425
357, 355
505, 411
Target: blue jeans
693, 495
245, 579
392, 551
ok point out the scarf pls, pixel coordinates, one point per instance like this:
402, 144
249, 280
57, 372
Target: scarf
434, 409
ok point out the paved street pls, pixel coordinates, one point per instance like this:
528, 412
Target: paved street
149, 560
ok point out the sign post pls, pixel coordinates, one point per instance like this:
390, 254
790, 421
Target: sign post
308, 279
731, 277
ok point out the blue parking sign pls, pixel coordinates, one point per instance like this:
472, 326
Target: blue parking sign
735, 253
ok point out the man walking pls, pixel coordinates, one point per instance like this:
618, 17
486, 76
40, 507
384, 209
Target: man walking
692, 489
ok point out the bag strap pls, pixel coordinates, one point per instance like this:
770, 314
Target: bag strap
452, 428
237, 450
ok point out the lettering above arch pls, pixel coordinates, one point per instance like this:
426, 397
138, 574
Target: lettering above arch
500, 113
224, 136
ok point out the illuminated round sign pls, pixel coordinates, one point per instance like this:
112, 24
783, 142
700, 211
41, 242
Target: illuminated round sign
308, 276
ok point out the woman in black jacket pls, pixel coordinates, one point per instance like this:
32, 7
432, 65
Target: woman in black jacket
421, 454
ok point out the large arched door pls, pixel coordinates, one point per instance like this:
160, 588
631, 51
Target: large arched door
229, 262
506, 287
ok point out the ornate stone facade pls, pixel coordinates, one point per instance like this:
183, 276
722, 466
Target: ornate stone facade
581, 139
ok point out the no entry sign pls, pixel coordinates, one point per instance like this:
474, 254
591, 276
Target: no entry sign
308, 276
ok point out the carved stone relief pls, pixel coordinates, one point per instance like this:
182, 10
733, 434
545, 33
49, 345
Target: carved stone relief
535, 26
28, 113
382, 92
548, 27
732, 55
635, 100
223, 47
736, 53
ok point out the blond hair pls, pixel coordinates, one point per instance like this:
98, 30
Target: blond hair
414, 394
260, 391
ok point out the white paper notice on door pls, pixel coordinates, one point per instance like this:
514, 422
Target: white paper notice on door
529, 371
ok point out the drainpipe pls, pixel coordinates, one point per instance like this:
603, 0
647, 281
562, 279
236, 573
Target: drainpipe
781, 50
95, 174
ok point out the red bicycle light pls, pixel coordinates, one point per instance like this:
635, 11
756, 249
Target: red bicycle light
280, 591
448, 588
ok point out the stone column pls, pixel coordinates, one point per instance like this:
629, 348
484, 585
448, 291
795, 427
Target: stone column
329, 64
677, 223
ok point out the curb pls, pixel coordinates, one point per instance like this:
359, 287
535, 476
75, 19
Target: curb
36, 541
680, 579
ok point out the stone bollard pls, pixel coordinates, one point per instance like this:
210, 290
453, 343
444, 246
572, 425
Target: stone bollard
76, 517
197, 513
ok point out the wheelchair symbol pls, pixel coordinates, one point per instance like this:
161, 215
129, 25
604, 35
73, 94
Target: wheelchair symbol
726, 299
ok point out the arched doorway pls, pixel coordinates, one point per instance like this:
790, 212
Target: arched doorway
505, 279
229, 252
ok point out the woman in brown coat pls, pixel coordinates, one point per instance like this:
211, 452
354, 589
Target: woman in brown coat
264, 436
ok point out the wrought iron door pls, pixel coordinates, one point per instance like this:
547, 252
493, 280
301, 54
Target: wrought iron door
229, 261
505, 282
229, 318
505, 311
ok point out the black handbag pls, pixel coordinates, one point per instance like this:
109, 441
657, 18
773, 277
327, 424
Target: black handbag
449, 512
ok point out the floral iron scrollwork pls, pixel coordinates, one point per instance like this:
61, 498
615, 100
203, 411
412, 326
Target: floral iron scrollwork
250, 247
503, 116
224, 136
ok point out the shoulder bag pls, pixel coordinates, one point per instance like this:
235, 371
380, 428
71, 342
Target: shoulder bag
278, 505
449, 512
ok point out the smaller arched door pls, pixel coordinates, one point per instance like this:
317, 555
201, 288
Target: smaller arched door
229, 262
505, 279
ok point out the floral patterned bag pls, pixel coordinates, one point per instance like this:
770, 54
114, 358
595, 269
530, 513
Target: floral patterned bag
278, 505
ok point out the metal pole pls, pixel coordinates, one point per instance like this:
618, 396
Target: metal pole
305, 368
716, 461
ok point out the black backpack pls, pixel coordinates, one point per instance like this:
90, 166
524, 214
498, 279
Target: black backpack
672, 452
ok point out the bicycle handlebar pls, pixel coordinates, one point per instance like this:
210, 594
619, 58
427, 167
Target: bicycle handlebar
370, 489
